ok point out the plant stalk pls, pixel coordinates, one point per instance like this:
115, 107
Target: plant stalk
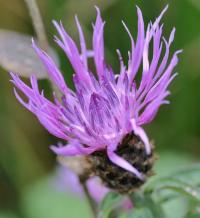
90, 200
37, 23
40, 32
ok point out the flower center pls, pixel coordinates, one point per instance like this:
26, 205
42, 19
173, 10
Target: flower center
131, 149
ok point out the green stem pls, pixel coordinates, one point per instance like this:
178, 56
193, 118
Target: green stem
40, 32
37, 23
90, 200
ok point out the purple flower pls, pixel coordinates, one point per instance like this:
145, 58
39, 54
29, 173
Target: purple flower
103, 109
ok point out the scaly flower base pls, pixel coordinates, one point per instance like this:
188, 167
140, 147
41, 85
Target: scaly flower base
131, 149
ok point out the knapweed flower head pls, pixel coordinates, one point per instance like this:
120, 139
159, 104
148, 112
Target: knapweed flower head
107, 110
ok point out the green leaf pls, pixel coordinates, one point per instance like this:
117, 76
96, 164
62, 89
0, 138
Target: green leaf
145, 201
193, 210
17, 55
189, 174
195, 213
140, 213
175, 208
110, 201
176, 186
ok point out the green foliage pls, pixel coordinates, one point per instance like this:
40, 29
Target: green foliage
152, 200
191, 175
193, 214
110, 202
140, 213
174, 185
141, 201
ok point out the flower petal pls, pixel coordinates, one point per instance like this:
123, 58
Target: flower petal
141, 133
123, 163
98, 44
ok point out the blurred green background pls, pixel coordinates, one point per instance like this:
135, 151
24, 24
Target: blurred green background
27, 166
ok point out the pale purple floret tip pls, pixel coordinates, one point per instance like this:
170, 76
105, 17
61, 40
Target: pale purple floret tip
102, 110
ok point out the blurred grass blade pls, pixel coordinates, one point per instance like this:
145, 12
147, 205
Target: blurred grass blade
17, 55
110, 201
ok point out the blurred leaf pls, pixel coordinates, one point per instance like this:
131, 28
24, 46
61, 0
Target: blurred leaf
141, 213
141, 201
164, 166
17, 55
189, 174
176, 186
195, 213
110, 201
175, 208
196, 3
